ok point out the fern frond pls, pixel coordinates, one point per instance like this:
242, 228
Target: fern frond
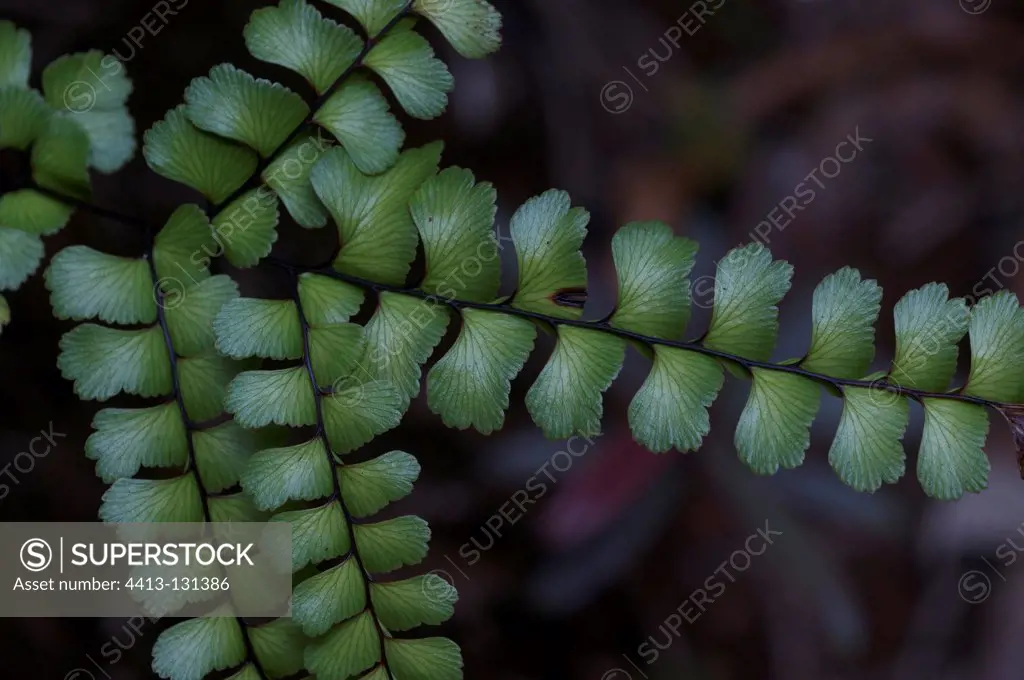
171, 358
91, 89
79, 121
342, 603
469, 386
246, 143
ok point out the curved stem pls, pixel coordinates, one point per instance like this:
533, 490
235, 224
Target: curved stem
650, 341
190, 427
79, 204
321, 432
600, 325
255, 179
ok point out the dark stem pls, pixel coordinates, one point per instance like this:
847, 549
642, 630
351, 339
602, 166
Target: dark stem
600, 325
79, 204
604, 327
255, 179
321, 433
212, 211
190, 427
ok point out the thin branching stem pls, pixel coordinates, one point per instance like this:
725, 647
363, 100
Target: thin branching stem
255, 179
650, 341
337, 495
86, 206
191, 427
605, 327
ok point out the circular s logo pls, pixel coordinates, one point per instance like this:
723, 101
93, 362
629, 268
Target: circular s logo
616, 97
36, 554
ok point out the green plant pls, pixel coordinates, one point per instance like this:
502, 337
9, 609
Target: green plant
248, 145
64, 145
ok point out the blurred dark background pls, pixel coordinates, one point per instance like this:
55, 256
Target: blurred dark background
591, 580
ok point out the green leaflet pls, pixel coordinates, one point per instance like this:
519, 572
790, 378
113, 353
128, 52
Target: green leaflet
455, 220
204, 379
15, 55
326, 300
222, 453
91, 90
471, 26
951, 461
247, 327
111, 137
278, 646
288, 175
671, 408
248, 672
59, 153
652, 266
377, 672
421, 600
190, 319
424, 659
774, 429
233, 104
378, 236
844, 312
33, 212
84, 69
469, 386
357, 114
748, 288
370, 486
358, 411
329, 597
318, 534
552, 273
282, 397
347, 650
400, 337
334, 351
295, 35
182, 250
566, 398
152, 500
191, 649
373, 15
393, 543
125, 440
299, 472
177, 150
247, 228
60, 157
997, 349
235, 508
20, 254
406, 62
23, 117
928, 327
87, 284
104, 361
866, 450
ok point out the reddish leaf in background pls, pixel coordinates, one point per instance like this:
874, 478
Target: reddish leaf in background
592, 497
